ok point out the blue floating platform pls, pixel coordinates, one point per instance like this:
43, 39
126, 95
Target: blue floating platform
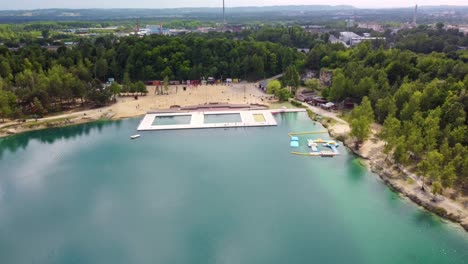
294, 139
294, 144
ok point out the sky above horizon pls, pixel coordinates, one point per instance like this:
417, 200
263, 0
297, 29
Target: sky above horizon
43, 4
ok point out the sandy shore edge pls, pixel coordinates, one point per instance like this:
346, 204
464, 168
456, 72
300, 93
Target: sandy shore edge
371, 152
394, 176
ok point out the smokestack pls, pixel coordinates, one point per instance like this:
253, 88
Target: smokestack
415, 15
224, 17
137, 29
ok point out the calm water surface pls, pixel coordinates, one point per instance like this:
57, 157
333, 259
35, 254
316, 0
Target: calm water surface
89, 194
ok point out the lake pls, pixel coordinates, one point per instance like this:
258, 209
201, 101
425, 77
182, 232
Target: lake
89, 194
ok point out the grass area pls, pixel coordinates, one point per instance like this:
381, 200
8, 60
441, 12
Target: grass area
280, 105
346, 116
47, 123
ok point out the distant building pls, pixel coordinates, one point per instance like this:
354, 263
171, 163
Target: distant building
461, 28
303, 50
317, 101
175, 32
358, 40
315, 29
153, 30
305, 96
235, 28
351, 38
348, 36
205, 29
333, 40
371, 25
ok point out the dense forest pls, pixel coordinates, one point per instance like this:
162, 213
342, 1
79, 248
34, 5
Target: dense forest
35, 80
424, 39
421, 100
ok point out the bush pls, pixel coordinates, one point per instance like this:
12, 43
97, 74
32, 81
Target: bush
296, 103
341, 137
273, 87
440, 211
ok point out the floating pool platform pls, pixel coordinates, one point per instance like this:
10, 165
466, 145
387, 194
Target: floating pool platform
314, 143
244, 118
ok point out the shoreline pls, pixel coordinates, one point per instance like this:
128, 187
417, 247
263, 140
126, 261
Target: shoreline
51, 122
126, 107
394, 176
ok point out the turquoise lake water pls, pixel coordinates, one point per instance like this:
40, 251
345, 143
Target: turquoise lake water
89, 194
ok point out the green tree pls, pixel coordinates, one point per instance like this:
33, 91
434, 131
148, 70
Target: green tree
283, 94
166, 84
141, 87
431, 166
338, 88
313, 84
362, 118
167, 73
45, 33
273, 86
38, 109
115, 88
436, 188
126, 83
390, 133
101, 69
7, 104
291, 78
384, 108
431, 129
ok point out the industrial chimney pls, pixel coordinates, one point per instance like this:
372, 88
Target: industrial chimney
224, 17
415, 15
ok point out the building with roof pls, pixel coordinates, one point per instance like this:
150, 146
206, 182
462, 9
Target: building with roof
371, 25
351, 39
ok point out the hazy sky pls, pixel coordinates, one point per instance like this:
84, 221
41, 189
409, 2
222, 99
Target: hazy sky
37, 4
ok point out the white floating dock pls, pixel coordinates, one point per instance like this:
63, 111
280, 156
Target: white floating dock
197, 120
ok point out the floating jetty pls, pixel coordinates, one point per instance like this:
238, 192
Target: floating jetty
314, 143
249, 118
294, 142
307, 133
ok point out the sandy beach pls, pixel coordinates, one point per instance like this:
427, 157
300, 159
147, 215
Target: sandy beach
243, 93
232, 94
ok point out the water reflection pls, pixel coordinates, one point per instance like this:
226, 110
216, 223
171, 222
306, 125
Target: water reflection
49, 136
426, 219
356, 170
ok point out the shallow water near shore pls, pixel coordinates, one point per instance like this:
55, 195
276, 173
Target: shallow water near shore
89, 194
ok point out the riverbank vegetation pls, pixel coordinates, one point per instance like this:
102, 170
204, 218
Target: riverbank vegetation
420, 99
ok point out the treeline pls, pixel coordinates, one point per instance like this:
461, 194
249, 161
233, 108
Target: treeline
421, 100
426, 40
289, 36
36, 81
